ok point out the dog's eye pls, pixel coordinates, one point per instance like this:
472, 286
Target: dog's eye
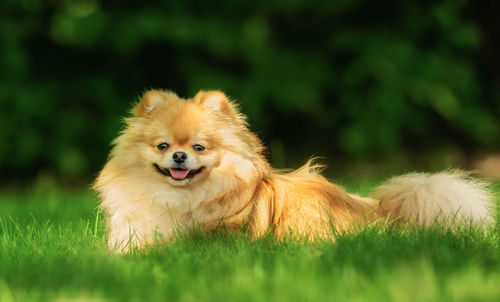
198, 148
162, 146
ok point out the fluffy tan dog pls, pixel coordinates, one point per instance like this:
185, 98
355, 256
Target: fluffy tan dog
184, 162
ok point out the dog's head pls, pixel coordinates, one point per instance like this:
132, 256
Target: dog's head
183, 141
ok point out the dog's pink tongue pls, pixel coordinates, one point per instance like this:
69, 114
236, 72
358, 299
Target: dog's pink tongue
179, 174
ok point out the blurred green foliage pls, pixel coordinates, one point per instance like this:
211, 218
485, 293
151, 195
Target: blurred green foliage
348, 78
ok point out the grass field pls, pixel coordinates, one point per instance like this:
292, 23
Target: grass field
52, 248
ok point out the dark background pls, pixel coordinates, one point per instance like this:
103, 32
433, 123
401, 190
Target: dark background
404, 83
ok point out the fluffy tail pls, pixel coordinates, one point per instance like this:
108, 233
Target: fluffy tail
452, 199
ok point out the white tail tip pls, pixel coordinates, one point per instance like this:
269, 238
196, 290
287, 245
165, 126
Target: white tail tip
448, 198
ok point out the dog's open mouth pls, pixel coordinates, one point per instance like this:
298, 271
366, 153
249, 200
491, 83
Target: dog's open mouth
177, 173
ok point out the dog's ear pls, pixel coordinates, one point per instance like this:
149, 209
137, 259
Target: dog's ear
217, 101
151, 100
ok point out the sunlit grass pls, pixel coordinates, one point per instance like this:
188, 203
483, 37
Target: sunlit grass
52, 247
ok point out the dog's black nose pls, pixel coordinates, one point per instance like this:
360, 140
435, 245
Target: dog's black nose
180, 157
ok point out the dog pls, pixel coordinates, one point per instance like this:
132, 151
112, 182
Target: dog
184, 162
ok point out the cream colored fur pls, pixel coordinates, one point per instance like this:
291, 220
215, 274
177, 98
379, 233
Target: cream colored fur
237, 186
447, 198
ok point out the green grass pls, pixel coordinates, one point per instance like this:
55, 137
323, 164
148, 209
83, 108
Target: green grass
52, 248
